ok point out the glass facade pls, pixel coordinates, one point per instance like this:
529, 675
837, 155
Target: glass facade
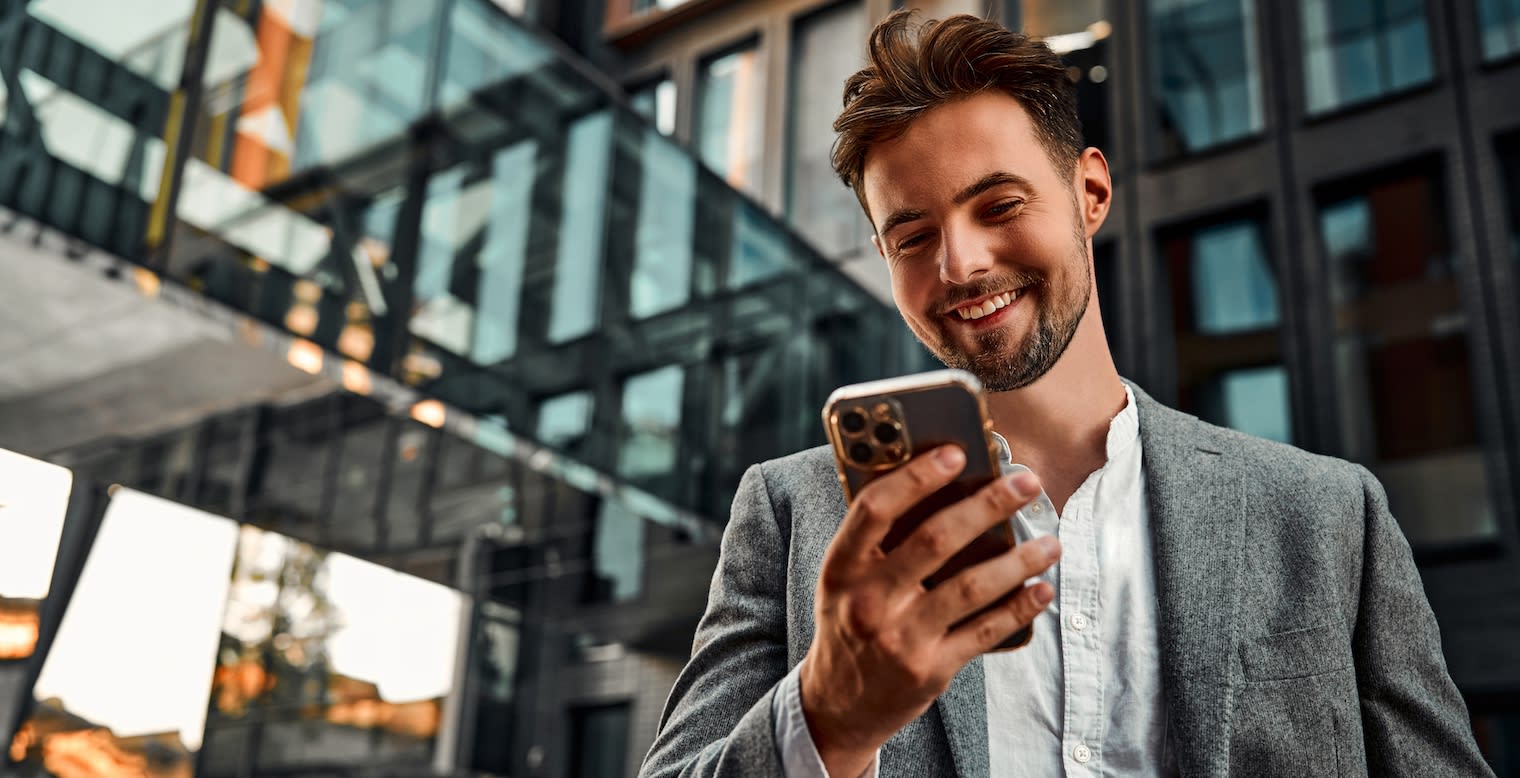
1205, 72
827, 48
1401, 353
1499, 28
1224, 305
656, 101
34, 498
1357, 51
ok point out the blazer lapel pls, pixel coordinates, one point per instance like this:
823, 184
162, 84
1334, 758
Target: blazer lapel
1194, 496
963, 710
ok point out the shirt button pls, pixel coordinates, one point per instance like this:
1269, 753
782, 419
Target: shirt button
1077, 622
1081, 753
1036, 507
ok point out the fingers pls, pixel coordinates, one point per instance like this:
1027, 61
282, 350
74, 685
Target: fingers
983, 584
886, 499
948, 531
987, 630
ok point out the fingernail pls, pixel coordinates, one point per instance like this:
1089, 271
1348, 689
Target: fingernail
949, 458
1042, 595
1024, 484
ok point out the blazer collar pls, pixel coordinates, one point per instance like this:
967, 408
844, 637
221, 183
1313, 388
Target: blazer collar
1194, 498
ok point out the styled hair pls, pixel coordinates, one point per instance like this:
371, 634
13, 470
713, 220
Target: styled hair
911, 71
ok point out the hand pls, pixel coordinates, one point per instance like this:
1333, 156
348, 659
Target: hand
884, 648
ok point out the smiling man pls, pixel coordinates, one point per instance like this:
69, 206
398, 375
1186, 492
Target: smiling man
1203, 602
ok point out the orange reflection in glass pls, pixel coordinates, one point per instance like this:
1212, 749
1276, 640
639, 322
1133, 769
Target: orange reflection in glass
18, 628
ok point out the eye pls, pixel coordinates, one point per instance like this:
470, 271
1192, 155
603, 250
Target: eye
910, 241
1003, 208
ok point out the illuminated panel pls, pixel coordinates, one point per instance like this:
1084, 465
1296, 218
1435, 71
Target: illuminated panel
34, 497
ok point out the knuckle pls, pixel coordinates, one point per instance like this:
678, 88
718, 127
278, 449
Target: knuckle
991, 631
971, 588
860, 619
935, 541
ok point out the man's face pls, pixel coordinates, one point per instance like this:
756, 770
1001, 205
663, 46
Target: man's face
984, 238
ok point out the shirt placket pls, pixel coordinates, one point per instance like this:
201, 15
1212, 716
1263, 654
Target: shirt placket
1080, 646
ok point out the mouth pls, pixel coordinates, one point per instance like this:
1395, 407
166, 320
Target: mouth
985, 309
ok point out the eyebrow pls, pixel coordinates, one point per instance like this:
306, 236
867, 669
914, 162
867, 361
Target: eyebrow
989, 181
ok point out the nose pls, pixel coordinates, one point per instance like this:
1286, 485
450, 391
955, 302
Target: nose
964, 255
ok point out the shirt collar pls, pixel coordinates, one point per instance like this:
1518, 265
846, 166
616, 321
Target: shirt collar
1123, 431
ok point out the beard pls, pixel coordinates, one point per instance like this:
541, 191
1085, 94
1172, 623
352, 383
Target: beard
994, 357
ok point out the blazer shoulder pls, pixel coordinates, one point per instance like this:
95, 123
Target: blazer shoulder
800, 477
1291, 473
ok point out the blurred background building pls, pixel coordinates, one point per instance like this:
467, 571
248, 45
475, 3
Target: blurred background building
425, 342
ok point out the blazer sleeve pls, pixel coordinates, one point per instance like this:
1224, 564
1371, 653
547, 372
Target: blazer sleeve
1413, 718
718, 721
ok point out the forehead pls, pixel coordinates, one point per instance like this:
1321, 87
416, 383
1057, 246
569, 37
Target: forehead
951, 146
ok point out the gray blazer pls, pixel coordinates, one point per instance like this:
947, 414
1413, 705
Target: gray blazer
1295, 634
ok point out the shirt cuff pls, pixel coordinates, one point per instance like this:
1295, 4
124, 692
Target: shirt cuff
799, 757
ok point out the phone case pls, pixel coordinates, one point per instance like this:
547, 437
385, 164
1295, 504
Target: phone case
922, 411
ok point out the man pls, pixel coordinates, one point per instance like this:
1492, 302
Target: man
1221, 604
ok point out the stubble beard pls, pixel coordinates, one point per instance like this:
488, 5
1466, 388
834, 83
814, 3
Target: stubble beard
995, 359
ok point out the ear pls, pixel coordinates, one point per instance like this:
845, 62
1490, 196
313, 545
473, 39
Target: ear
875, 241
1094, 188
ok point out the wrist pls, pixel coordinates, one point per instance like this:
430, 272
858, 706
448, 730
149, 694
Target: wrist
845, 753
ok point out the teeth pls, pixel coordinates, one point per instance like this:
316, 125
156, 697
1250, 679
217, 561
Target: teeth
988, 306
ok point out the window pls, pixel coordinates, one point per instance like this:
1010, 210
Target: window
1225, 312
663, 237
1499, 25
617, 554
1401, 353
599, 741
564, 420
1358, 50
827, 48
730, 116
577, 274
656, 101
651, 422
1204, 72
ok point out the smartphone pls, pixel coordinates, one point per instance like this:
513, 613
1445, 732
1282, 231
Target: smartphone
877, 426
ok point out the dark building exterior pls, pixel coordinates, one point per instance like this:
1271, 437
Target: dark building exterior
506, 295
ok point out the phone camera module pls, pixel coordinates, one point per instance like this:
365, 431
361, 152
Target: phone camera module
887, 433
861, 453
852, 421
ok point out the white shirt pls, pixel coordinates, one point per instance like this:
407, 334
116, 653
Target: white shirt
1084, 697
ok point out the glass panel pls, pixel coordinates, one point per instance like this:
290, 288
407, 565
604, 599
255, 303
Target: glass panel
617, 554
1204, 72
34, 499
730, 116
1225, 313
760, 247
657, 103
1406, 385
1499, 26
144, 701
563, 421
1357, 50
577, 275
827, 48
663, 238
600, 741
651, 422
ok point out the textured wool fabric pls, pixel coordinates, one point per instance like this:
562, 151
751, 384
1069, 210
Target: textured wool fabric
1295, 634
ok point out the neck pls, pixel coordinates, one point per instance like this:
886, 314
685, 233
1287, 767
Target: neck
1058, 425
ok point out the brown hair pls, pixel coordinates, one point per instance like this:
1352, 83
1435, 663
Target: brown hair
909, 72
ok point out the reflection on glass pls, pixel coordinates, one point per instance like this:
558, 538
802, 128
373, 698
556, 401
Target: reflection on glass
1225, 313
1204, 72
34, 498
651, 422
577, 273
126, 681
657, 103
1499, 26
730, 116
563, 421
827, 47
1358, 50
329, 659
760, 247
617, 554
663, 237
1402, 360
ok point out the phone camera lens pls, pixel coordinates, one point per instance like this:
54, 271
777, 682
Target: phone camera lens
861, 453
887, 433
853, 422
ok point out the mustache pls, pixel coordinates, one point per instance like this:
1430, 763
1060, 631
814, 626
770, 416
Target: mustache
981, 287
